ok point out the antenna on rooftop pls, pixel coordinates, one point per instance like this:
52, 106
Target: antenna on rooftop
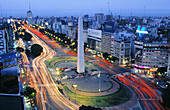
108, 8
29, 7
144, 10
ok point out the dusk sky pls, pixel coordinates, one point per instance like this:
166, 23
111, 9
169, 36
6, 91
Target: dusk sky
44, 8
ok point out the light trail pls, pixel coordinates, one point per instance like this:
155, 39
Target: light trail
146, 94
42, 77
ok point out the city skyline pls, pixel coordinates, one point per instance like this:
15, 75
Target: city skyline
18, 8
84, 55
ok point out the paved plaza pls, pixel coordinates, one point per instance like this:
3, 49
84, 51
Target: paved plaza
90, 83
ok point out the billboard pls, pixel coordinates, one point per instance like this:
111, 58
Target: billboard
95, 33
109, 27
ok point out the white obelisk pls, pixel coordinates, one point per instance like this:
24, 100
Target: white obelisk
80, 55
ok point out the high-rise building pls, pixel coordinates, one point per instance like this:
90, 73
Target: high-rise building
6, 38
151, 52
106, 42
121, 49
2, 41
29, 16
99, 18
107, 34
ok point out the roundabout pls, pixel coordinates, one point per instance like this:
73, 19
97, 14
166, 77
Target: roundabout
90, 88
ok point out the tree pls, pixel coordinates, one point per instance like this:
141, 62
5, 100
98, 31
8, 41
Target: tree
29, 92
27, 36
105, 55
27, 52
20, 49
42, 31
36, 50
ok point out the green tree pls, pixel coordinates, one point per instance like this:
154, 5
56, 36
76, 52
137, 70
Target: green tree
36, 50
27, 36
105, 55
19, 49
29, 92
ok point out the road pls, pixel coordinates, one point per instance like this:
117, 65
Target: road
148, 96
49, 97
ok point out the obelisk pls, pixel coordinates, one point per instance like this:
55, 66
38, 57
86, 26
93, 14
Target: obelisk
80, 55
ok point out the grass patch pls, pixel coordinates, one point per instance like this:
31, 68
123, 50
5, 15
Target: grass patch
48, 62
119, 97
55, 64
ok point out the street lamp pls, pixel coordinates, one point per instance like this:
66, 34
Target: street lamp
99, 81
57, 71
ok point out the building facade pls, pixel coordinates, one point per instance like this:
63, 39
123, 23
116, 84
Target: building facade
94, 39
29, 18
106, 42
150, 56
2, 42
121, 49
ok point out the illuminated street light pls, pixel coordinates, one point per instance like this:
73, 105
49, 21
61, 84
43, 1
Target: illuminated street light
99, 81
57, 71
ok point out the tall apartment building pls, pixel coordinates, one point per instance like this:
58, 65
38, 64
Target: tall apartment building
2, 42
99, 18
29, 18
121, 49
108, 33
153, 54
106, 42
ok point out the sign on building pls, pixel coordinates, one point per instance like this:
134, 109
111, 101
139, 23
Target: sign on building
95, 33
109, 27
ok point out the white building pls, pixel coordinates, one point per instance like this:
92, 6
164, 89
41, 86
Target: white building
121, 49
94, 39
